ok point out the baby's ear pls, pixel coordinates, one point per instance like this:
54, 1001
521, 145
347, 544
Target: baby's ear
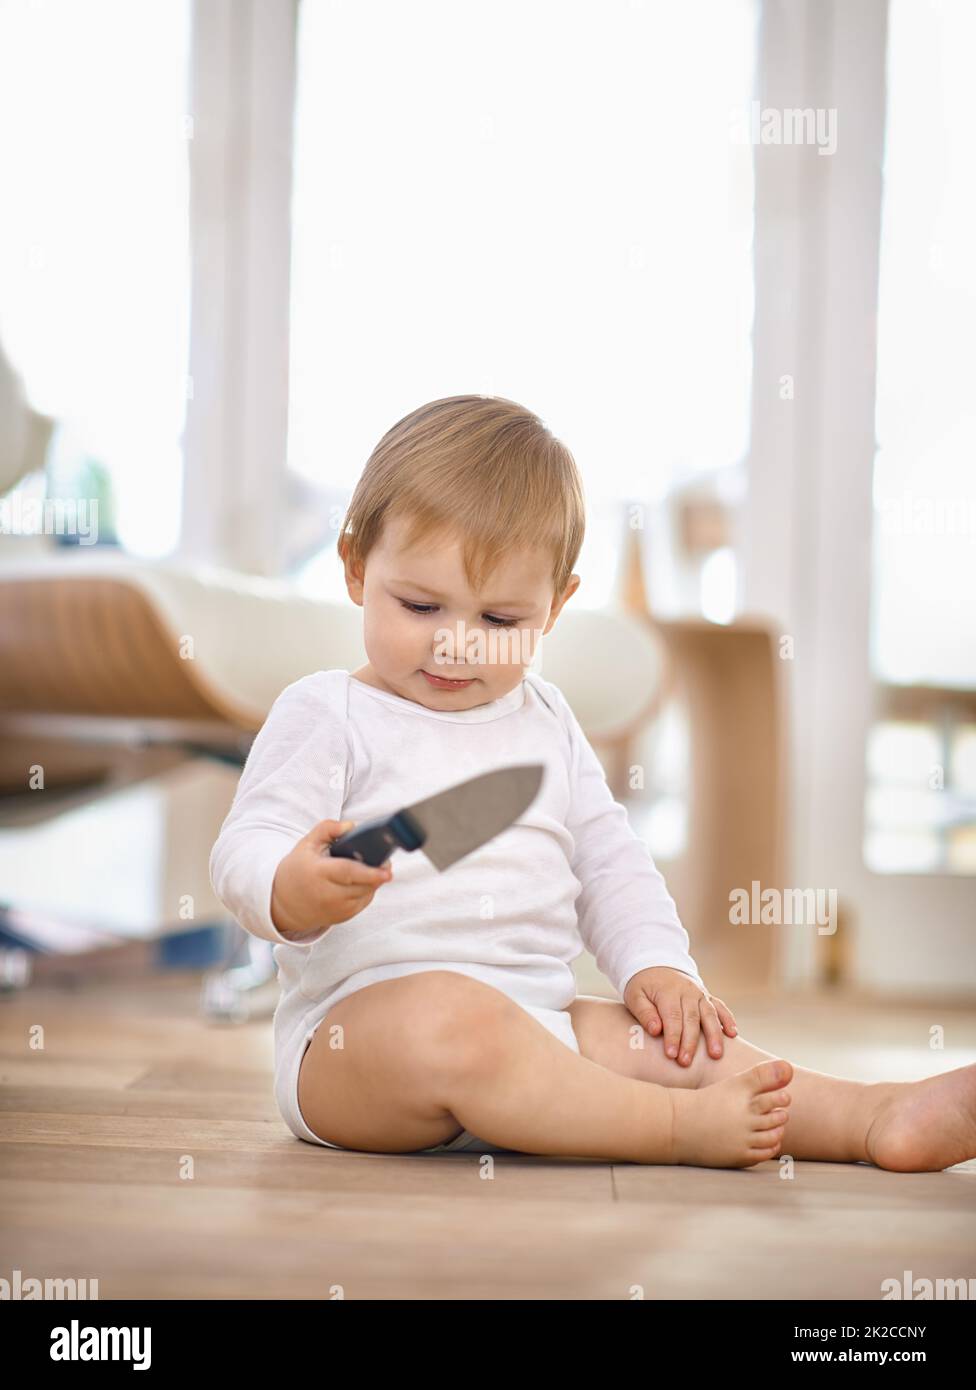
559, 601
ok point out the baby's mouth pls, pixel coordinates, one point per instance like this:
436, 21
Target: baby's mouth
447, 680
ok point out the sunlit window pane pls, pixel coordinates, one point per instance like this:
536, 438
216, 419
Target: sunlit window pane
964, 759
545, 205
924, 597
903, 808
895, 853
903, 752
94, 261
920, 812
917, 798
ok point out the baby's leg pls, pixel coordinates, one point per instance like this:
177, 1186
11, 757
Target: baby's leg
425, 1055
908, 1126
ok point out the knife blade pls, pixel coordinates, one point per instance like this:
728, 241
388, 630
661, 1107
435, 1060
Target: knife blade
449, 824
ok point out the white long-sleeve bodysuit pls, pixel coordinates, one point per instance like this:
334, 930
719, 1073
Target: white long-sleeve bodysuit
513, 913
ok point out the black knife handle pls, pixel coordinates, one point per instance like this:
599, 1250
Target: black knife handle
375, 840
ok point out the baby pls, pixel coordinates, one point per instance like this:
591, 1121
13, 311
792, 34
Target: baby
453, 1020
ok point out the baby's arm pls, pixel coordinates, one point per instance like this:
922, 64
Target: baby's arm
627, 919
294, 778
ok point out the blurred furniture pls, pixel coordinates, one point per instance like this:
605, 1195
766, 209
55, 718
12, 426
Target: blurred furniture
727, 677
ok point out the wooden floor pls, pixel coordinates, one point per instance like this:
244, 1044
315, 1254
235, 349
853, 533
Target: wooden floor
142, 1147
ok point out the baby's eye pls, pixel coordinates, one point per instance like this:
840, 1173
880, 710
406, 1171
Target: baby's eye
424, 608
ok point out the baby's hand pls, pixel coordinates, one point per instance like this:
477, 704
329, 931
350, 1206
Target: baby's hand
663, 998
312, 890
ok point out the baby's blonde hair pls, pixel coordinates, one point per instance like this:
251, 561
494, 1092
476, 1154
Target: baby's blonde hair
481, 469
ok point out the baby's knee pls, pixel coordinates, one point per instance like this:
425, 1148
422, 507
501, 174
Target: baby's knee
458, 1019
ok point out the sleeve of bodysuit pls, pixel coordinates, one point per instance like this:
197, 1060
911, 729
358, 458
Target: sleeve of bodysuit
626, 917
293, 778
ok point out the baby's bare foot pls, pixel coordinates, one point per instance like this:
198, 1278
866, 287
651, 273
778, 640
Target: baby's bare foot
732, 1123
924, 1126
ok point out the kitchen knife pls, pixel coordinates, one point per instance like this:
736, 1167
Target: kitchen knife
448, 825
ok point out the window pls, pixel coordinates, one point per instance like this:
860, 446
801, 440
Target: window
546, 204
94, 269
921, 794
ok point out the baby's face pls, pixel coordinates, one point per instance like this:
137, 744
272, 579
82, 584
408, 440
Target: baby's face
421, 617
